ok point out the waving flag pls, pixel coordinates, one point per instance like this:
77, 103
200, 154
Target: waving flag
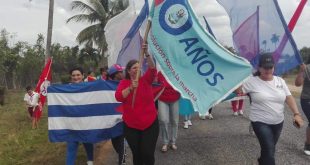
193, 61
115, 31
271, 34
44, 81
131, 44
84, 112
246, 38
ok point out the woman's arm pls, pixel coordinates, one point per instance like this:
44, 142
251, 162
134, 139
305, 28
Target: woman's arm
290, 101
300, 76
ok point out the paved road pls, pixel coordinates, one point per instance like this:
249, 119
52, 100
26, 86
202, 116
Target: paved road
226, 141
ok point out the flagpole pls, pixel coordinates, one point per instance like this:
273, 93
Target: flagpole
141, 57
277, 53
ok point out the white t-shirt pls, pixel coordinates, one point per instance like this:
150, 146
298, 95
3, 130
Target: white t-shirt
268, 99
32, 100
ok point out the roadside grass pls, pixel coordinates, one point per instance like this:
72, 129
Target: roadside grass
20, 144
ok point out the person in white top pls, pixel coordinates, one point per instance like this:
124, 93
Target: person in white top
31, 99
268, 94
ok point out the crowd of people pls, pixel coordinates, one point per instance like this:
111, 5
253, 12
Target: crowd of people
144, 121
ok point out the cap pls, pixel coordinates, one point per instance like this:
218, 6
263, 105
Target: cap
266, 61
115, 68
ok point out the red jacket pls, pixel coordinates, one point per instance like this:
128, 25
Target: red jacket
169, 94
144, 113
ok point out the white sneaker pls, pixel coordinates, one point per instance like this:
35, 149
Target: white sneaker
235, 113
307, 149
307, 152
202, 117
210, 116
185, 125
189, 123
90, 163
241, 112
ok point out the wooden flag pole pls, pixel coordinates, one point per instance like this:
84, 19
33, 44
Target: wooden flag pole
141, 58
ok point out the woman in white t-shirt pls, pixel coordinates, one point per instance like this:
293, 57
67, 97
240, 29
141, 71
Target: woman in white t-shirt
268, 94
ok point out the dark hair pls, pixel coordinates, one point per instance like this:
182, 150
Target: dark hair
28, 88
128, 66
76, 68
257, 73
89, 72
104, 69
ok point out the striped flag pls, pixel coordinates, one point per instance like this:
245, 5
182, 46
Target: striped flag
84, 112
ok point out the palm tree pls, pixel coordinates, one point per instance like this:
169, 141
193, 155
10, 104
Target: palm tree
275, 39
97, 13
49, 30
265, 44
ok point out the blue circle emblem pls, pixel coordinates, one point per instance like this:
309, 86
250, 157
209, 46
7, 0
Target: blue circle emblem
174, 17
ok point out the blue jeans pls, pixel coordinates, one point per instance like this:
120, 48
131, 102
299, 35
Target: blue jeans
168, 116
268, 136
72, 148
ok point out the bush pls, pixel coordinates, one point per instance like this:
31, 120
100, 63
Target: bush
2, 94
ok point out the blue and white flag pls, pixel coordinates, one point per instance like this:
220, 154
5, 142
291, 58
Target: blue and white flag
115, 31
191, 60
131, 44
84, 112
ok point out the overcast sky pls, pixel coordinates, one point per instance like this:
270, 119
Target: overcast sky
24, 19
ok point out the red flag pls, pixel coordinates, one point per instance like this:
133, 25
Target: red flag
43, 83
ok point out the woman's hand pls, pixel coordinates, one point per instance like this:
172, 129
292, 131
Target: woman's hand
134, 83
298, 121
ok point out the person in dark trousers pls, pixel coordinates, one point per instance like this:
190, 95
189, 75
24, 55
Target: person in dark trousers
141, 126
115, 73
303, 78
268, 94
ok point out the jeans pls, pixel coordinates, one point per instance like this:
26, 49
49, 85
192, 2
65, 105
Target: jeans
168, 116
142, 143
305, 106
72, 148
268, 136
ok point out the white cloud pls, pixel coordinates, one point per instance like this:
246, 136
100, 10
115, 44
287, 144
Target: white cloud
27, 19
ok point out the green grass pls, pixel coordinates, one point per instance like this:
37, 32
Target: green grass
20, 144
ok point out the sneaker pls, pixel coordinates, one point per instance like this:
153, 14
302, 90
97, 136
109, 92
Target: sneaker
185, 124
189, 123
307, 149
90, 163
202, 117
210, 116
164, 148
241, 112
235, 113
174, 147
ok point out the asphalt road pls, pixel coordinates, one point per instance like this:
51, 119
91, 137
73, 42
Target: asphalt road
226, 140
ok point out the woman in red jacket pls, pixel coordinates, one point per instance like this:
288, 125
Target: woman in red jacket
141, 127
168, 114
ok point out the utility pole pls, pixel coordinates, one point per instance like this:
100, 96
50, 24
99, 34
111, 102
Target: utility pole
49, 30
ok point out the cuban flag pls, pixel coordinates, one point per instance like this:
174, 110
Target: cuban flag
194, 63
84, 112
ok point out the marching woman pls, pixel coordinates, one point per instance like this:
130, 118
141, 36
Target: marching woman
303, 78
268, 94
141, 126
72, 147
